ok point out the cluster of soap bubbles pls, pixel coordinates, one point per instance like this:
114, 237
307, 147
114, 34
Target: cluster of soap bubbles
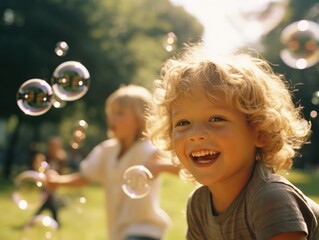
79, 133
170, 41
69, 82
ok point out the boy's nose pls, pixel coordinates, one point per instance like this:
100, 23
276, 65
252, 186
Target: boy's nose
198, 133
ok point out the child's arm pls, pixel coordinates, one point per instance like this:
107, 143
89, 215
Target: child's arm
69, 180
159, 164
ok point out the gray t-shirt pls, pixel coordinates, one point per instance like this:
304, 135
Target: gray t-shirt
267, 206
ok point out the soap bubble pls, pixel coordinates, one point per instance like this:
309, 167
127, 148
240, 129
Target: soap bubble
300, 44
137, 181
61, 48
57, 102
28, 186
70, 81
41, 227
255, 18
79, 134
170, 41
34, 97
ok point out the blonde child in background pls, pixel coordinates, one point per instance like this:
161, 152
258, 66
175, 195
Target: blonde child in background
232, 124
128, 219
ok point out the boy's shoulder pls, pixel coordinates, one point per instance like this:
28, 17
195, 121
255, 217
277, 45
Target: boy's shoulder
266, 187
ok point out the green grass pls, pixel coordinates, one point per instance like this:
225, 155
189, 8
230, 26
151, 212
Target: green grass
87, 221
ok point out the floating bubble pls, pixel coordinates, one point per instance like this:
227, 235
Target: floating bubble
300, 44
34, 97
70, 81
74, 200
61, 48
79, 204
82, 124
313, 114
41, 227
315, 98
40, 167
137, 181
79, 133
28, 186
255, 18
9, 16
57, 102
170, 41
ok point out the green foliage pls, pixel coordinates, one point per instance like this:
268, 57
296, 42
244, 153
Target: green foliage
118, 41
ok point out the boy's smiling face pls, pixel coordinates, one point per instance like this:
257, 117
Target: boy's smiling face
212, 140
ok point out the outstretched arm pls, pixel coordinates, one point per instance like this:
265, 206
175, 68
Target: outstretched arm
68, 180
159, 164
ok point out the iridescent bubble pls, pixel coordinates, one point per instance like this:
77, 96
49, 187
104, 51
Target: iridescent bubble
137, 181
28, 185
42, 227
255, 18
79, 204
170, 41
315, 98
61, 48
313, 114
300, 44
70, 81
34, 97
75, 201
57, 102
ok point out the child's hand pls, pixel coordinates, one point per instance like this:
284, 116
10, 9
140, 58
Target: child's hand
159, 163
52, 178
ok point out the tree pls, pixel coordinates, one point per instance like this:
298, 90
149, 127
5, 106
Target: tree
118, 41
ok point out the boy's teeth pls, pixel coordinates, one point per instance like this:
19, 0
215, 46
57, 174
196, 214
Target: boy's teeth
203, 153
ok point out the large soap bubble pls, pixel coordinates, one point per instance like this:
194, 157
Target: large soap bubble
300, 44
137, 181
255, 18
70, 81
34, 97
28, 189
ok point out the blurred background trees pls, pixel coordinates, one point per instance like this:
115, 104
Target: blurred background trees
119, 42
305, 81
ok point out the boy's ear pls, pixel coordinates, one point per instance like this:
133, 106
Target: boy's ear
261, 139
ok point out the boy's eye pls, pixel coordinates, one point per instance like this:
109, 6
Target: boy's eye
182, 123
216, 119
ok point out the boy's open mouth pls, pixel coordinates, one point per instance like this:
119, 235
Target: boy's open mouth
204, 156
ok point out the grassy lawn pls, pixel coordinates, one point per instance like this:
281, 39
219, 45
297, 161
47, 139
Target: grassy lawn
87, 221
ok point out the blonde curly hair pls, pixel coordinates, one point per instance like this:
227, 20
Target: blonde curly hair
134, 97
249, 84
